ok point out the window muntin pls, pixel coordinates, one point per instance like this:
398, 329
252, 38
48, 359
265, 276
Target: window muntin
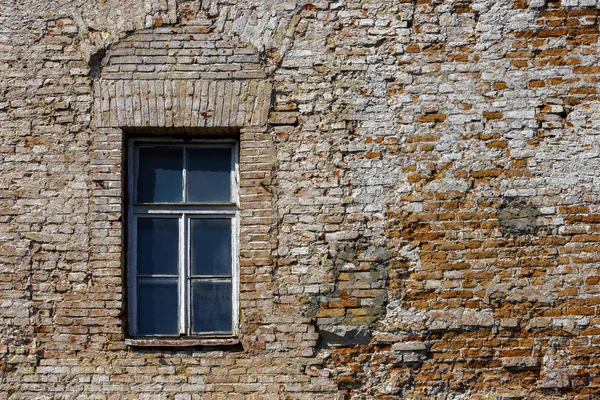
182, 261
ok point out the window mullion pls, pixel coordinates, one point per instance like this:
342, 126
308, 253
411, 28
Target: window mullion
182, 275
188, 290
184, 170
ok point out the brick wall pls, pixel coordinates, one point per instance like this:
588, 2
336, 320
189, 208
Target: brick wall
419, 195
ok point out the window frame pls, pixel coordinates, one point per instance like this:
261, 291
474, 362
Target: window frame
185, 213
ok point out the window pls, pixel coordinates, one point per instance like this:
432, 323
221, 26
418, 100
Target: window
183, 223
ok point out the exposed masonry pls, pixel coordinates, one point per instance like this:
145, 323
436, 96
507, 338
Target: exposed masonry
419, 195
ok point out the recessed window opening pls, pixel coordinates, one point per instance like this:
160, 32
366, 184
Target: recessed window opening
183, 215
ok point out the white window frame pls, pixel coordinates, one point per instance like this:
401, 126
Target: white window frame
185, 212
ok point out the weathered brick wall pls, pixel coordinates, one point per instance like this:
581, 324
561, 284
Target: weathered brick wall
419, 195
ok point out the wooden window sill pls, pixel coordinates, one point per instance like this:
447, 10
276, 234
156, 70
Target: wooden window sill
191, 342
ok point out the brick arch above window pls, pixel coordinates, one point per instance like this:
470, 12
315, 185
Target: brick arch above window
181, 77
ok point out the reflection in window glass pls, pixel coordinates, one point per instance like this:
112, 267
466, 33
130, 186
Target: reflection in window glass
158, 246
157, 306
160, 176
211, 246
208, 175
211, 302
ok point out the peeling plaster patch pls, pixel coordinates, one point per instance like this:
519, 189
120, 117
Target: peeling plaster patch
344, 335
517, 217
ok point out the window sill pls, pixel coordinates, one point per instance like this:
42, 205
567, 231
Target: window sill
156, 342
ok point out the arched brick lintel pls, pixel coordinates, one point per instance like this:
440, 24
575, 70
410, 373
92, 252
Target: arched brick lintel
181, 103
181, 77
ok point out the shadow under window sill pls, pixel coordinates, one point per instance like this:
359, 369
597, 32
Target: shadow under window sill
181, 342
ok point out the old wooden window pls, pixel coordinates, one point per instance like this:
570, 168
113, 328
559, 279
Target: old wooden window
182, 228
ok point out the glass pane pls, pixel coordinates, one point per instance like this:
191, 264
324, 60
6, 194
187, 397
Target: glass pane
160, 175
158, 246
211, 306
157, 306
211, 246
208, 175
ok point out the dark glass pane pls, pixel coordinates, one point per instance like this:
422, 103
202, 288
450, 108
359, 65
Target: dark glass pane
158, 246
211, 246
157, 306
208, 175
211, 306
160, 175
